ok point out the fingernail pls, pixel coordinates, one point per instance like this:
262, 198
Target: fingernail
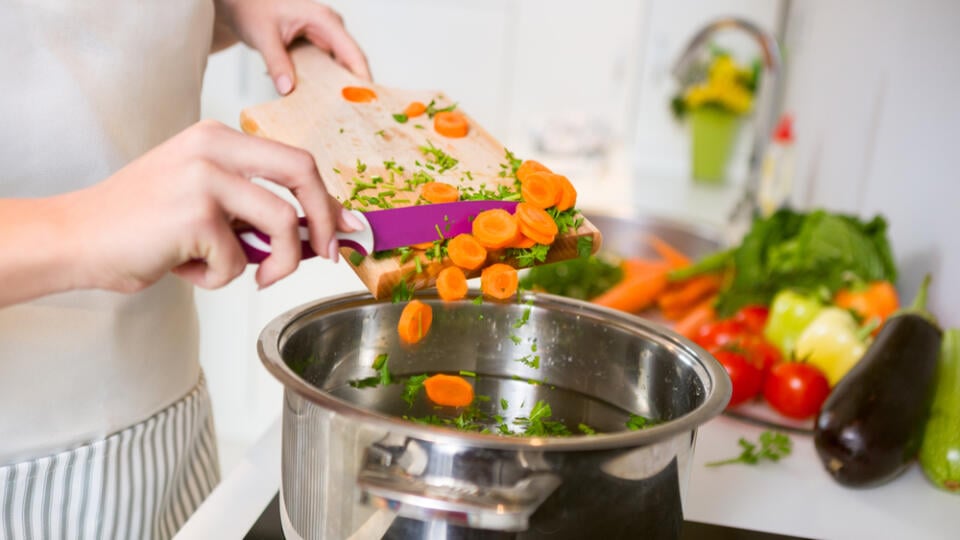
333, 252
351, 220
284, 84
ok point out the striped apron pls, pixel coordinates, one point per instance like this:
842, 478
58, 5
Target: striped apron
141, 482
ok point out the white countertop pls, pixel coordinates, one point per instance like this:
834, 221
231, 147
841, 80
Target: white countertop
793, 497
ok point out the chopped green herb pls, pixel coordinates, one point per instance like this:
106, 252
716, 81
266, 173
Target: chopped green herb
391, 165
401, 292
418, 178
361, 166
411, 388
381, 133
773, 446
368, 382
380, 364
466, 373
443, 160
504, 404
538, 423
478, 300
419, 126
586, 430
341, 130
584, 246
637, 422
530, 360
336, 170
566, 220
523, 318
581, 278
515, 338
401, 118
418, 265
509, 169
355, 258
529, 256
432, 108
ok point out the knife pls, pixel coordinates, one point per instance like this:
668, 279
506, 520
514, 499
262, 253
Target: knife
386, 229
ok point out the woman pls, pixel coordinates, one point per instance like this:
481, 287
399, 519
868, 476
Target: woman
113, 202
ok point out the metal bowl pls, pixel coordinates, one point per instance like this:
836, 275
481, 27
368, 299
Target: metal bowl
351, 464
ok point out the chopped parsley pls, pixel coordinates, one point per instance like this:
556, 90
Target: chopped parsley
355, 258
530, 256
400, 118
443, 160
361, 166
380, 133
432, 108
401, 292
773, 446
411, 388
584, 246
637, 422
586, 430
531, 360
538, 423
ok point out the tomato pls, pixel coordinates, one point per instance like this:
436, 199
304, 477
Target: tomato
747, 378
753, 317
719, 333
760, 351
795, 389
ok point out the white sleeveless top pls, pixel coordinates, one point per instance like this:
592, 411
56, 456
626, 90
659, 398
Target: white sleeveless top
86, 87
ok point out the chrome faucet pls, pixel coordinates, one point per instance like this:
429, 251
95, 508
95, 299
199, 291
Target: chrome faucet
766, 107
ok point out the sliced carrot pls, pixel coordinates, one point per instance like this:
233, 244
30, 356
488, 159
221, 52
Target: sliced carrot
451, 124
422, 245
540, 189
671, 254
684, 294
523, 242
358, 94
535, 235
499, 281
466, 252
568, 194
415, 321
452, 283
530, 166
415, 109
634, 293
439, 192
700, 315
536, 218
495, 228
448, 390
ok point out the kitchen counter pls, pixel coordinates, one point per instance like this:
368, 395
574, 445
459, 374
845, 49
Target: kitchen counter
793, 497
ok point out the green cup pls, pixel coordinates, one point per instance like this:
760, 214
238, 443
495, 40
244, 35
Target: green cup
714, 134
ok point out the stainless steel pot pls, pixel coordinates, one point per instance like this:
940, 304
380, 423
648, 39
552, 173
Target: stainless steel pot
353, 468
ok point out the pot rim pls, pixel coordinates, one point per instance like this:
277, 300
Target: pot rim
717, 383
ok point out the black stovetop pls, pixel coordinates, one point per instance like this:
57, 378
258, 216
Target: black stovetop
268, 527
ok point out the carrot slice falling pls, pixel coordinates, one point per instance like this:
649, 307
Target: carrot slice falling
452, 283
536, 218
439, 192
451, 124
358, 94
530, 166
466, 252
415, 321
499, 281
495, 228
415, 109
448, 390
541, 189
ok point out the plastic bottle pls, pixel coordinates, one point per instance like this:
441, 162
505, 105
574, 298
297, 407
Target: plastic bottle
776, 174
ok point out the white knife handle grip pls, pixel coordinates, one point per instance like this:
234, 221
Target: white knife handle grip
256, 244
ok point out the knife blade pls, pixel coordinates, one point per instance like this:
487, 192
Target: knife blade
386, 229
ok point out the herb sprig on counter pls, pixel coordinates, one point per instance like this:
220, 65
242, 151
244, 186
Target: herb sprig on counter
773, 446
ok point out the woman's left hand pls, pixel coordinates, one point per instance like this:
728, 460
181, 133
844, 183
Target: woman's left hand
269, 26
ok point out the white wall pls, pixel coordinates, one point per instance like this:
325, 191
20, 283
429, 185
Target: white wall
874, 88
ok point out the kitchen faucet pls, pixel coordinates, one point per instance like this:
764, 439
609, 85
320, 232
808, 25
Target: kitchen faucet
768, 94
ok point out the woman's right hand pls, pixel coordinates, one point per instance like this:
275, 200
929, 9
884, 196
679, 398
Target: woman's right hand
174, 208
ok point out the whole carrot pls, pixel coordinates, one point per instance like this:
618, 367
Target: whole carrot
634, 293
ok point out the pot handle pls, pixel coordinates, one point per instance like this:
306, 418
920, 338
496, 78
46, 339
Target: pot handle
385, 484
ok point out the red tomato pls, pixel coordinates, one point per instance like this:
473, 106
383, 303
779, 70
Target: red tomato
718, 333
753, 317
795, 389
746, 376
760, 351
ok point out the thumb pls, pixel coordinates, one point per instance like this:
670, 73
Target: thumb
274, 53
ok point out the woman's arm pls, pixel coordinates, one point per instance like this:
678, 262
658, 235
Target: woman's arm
172, 209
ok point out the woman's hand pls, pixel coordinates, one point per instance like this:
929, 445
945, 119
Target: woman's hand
269, 26
174, 209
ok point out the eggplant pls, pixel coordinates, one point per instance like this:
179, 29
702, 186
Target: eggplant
871, 425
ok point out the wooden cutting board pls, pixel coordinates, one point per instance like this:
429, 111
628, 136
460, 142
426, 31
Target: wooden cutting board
362, 142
